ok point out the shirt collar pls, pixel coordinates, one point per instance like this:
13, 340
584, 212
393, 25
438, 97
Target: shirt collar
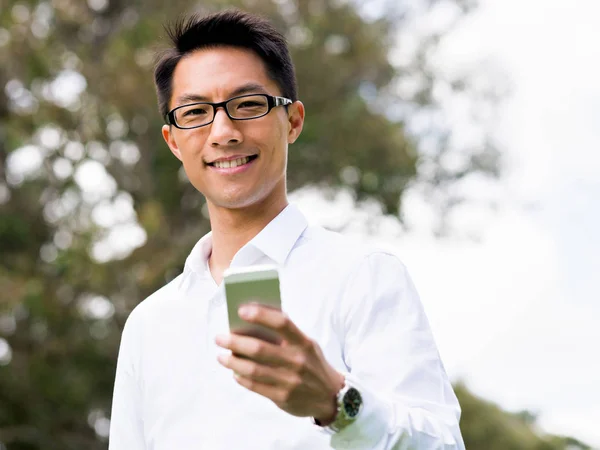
198, 257
276, 240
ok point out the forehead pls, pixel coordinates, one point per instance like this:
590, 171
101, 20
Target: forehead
215, 73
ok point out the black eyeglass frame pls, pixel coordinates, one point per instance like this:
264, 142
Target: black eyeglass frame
272, 102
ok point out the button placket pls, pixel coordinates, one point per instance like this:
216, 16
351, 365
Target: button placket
214, 327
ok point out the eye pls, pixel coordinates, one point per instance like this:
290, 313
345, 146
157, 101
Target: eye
196, 111
251, 104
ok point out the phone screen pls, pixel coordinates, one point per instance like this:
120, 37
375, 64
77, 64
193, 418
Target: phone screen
258, 284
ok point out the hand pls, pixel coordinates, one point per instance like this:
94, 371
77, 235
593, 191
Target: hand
294, 374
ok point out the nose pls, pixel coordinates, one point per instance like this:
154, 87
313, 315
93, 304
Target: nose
223, 131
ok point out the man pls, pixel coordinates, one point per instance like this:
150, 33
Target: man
357, 366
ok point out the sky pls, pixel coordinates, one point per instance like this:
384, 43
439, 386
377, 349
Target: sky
515, 313
531, 281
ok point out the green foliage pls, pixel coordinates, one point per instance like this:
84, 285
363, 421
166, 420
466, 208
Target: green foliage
485, 426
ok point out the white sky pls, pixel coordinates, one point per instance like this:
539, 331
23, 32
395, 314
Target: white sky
537, 343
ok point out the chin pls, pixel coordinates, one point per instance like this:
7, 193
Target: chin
237, 201
251, 196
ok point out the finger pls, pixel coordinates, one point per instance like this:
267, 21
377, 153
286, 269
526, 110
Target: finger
274, 319
273, 393
254, 349
257, 372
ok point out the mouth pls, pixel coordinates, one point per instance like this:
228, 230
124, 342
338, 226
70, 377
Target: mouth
233, 163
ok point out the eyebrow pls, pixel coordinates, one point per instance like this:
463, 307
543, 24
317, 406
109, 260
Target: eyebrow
244, 89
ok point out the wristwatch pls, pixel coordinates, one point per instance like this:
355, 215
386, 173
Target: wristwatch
349, 405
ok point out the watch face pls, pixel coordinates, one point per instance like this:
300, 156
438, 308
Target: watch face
352, 402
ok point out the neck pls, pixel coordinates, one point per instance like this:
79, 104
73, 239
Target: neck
234, 228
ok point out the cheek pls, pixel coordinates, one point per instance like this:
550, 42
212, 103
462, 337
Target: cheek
275, 137
190, 146
192, 161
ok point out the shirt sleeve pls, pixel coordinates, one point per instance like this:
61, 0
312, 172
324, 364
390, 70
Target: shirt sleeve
408, 401
126, 426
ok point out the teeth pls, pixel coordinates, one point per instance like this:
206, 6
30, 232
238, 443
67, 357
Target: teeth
231, 164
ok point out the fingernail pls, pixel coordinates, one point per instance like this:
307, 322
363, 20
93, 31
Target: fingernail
245, 312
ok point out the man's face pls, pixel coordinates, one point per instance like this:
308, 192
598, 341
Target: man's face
216, 75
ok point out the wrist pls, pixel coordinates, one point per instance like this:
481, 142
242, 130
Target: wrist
330, 414
328, 417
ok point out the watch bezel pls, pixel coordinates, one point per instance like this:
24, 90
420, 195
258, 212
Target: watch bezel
352, 402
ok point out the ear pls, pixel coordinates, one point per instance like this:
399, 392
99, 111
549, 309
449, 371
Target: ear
170, 140
295, 120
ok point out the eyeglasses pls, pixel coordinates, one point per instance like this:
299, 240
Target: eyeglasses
244, 107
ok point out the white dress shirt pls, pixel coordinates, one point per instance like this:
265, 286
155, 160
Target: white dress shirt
356, 302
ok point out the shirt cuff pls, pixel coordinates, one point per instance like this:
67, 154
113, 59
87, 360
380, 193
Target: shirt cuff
371, 425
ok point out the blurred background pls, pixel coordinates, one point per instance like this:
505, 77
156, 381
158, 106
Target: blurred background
463, 136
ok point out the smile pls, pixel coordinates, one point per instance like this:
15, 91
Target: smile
233, 163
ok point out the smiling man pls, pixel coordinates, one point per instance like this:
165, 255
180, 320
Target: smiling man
356, 366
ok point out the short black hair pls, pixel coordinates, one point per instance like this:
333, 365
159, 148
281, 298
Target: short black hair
231, 27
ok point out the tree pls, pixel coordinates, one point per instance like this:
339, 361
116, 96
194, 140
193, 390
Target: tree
485, 426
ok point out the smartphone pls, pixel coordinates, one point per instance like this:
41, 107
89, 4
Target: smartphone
254, 284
